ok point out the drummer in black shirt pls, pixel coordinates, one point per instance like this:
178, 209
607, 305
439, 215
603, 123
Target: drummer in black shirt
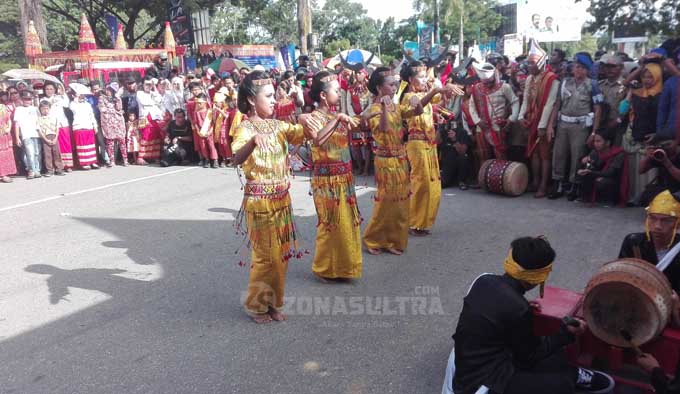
179, 142
660, 236
495, 346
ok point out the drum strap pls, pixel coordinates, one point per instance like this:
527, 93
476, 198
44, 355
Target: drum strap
668, 258
636, 252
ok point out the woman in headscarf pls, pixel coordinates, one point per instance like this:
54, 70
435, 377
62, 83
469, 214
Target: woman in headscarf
642, 102
644, 99
173, 99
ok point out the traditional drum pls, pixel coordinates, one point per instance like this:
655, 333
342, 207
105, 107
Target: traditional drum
504, 177
628, 302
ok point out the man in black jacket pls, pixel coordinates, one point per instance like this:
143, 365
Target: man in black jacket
495, 345
660, 236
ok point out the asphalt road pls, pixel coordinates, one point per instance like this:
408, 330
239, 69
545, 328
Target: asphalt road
127, 280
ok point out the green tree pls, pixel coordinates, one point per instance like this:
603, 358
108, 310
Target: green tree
253, 23
588, 43
479, 19
332, 48
343, 19
636, 17
11, 44
141, 19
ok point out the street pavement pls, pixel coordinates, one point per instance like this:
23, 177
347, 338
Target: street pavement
127, 280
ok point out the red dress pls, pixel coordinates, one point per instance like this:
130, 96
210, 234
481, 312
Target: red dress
7, 164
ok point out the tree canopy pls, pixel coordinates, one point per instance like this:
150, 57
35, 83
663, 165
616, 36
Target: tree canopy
637, 17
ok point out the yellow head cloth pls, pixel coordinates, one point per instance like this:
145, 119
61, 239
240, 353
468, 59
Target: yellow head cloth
664, 204
534, 277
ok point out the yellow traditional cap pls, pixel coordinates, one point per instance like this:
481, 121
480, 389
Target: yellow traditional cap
664, 204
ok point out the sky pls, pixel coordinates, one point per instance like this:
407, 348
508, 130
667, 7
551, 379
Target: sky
383, 9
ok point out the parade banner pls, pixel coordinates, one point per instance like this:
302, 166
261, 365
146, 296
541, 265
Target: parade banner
551, 21
425, 39
252, 55
112, 24
180, 23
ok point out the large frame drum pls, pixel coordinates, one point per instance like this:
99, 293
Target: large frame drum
628, 295
504, 177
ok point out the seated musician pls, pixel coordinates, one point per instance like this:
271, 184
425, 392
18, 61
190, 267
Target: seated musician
663, 217
495, 346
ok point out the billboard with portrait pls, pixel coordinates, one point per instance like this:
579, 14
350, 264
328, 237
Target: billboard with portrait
551, 21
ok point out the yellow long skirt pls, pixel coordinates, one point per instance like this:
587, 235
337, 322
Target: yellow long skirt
271, 235
338, 235
388, 227
425, 184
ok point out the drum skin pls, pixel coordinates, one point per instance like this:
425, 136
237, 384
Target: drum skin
504, 177
630, 295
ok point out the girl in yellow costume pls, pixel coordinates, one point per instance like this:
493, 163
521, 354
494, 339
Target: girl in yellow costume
261, 148
338, 237
421, 148
388, 227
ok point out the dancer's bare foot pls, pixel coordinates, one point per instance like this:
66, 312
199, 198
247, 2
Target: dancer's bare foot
321, 278
374, 252
276, 315
395, 251
261, 319
418, 233
539, 194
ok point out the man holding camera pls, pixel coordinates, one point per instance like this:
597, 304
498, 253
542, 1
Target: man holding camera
661, 153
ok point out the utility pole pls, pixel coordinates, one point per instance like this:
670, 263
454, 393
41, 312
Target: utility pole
461, 53
304, 16
436, 21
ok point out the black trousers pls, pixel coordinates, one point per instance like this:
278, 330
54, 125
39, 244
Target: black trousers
552, 375
454, 167
606, 189
175, 154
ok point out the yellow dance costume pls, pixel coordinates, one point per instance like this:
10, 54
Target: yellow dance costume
338, 235
388, 227
421, 150
267, 210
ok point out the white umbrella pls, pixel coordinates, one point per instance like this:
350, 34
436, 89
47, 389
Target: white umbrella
79, 89
28, 74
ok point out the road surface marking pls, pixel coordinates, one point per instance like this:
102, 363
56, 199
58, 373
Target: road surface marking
93, 189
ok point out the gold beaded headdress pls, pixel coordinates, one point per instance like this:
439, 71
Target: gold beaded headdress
329, 78
262, 82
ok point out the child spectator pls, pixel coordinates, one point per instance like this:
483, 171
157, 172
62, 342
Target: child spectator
132, 136
48, 128
26, 129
